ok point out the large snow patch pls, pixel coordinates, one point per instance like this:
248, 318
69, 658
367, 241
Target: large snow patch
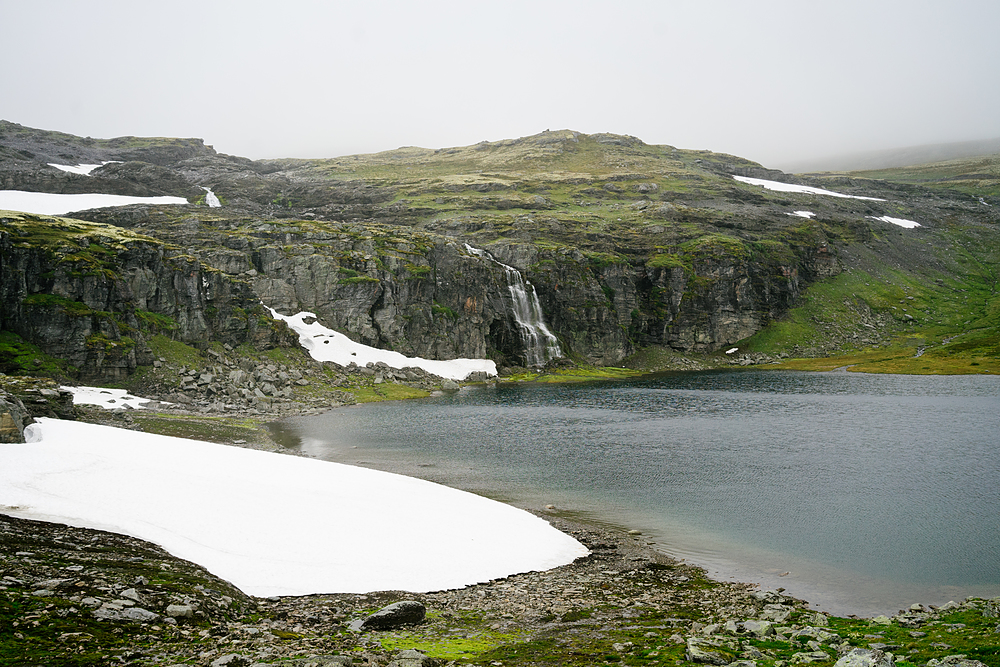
47, 203
325, 344
778, 186
273, 524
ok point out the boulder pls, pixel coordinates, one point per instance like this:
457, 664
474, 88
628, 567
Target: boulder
863, 657
959, 660
180, 611
759, 629
232, 660
412, 658
707, 652
13, 418
407, 612
778, 613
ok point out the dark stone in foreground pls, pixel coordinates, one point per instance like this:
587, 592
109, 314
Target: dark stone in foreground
407, 612
13, 418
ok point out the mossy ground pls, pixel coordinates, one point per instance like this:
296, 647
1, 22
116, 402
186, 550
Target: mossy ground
223, 429
582, 373
19, 357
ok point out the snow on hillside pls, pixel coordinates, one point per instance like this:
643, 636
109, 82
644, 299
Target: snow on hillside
81, 169
901, 222
269, 523
46, 203
328, 345
801, 189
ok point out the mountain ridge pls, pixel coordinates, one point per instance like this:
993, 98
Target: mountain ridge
629, 245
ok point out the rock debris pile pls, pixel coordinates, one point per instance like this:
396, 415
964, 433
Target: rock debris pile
100, 598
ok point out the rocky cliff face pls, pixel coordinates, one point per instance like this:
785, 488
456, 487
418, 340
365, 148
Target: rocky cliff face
425, 294
92, 294
627, 245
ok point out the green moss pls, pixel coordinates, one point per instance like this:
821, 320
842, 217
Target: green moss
68, 306
155, 321
354, 280
102, 343
175, 352
716, 245
440, 310
19, 357
386, 391
668, 261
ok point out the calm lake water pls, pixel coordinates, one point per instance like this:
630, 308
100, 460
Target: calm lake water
860, 493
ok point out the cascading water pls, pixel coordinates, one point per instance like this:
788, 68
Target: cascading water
211, 199
540, 344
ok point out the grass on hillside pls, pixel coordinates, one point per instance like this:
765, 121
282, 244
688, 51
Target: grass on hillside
977, 176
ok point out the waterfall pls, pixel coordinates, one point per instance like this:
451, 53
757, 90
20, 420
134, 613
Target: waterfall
211, 199
540, 344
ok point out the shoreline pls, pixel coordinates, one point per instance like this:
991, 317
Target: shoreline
627, 602
720, 567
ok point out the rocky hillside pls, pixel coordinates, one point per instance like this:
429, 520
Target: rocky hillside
628, 247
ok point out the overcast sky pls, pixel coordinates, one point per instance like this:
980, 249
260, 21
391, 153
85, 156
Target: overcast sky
773, 81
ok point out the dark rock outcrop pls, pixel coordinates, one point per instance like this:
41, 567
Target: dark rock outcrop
13, 418
91, 295
406, 612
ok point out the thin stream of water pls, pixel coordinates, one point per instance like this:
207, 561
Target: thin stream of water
860, 493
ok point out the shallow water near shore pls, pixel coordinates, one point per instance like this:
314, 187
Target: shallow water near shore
859, 493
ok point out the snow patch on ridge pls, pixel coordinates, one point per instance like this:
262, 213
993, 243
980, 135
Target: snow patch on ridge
909, 224
326, 344
47, 203
801, 189
82, 169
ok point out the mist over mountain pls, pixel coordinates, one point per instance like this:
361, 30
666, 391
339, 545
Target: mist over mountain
898, 157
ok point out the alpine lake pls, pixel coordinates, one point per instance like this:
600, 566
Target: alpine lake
860, 493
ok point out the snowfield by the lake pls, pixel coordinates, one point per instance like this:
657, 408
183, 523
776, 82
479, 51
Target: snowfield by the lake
273, 524
325, 344
46, 203
801, 189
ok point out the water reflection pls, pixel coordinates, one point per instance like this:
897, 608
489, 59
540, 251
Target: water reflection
871, 492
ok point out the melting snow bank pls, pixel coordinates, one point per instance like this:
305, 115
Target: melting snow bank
804, 214
106, 398
46, 203
269, 523
909, 224
802, 189
328, 345
82, 169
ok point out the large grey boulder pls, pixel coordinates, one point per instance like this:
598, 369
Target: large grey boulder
13, 418
959, 660
707, 651
759, 629
407, 612
863, 657
412, 658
